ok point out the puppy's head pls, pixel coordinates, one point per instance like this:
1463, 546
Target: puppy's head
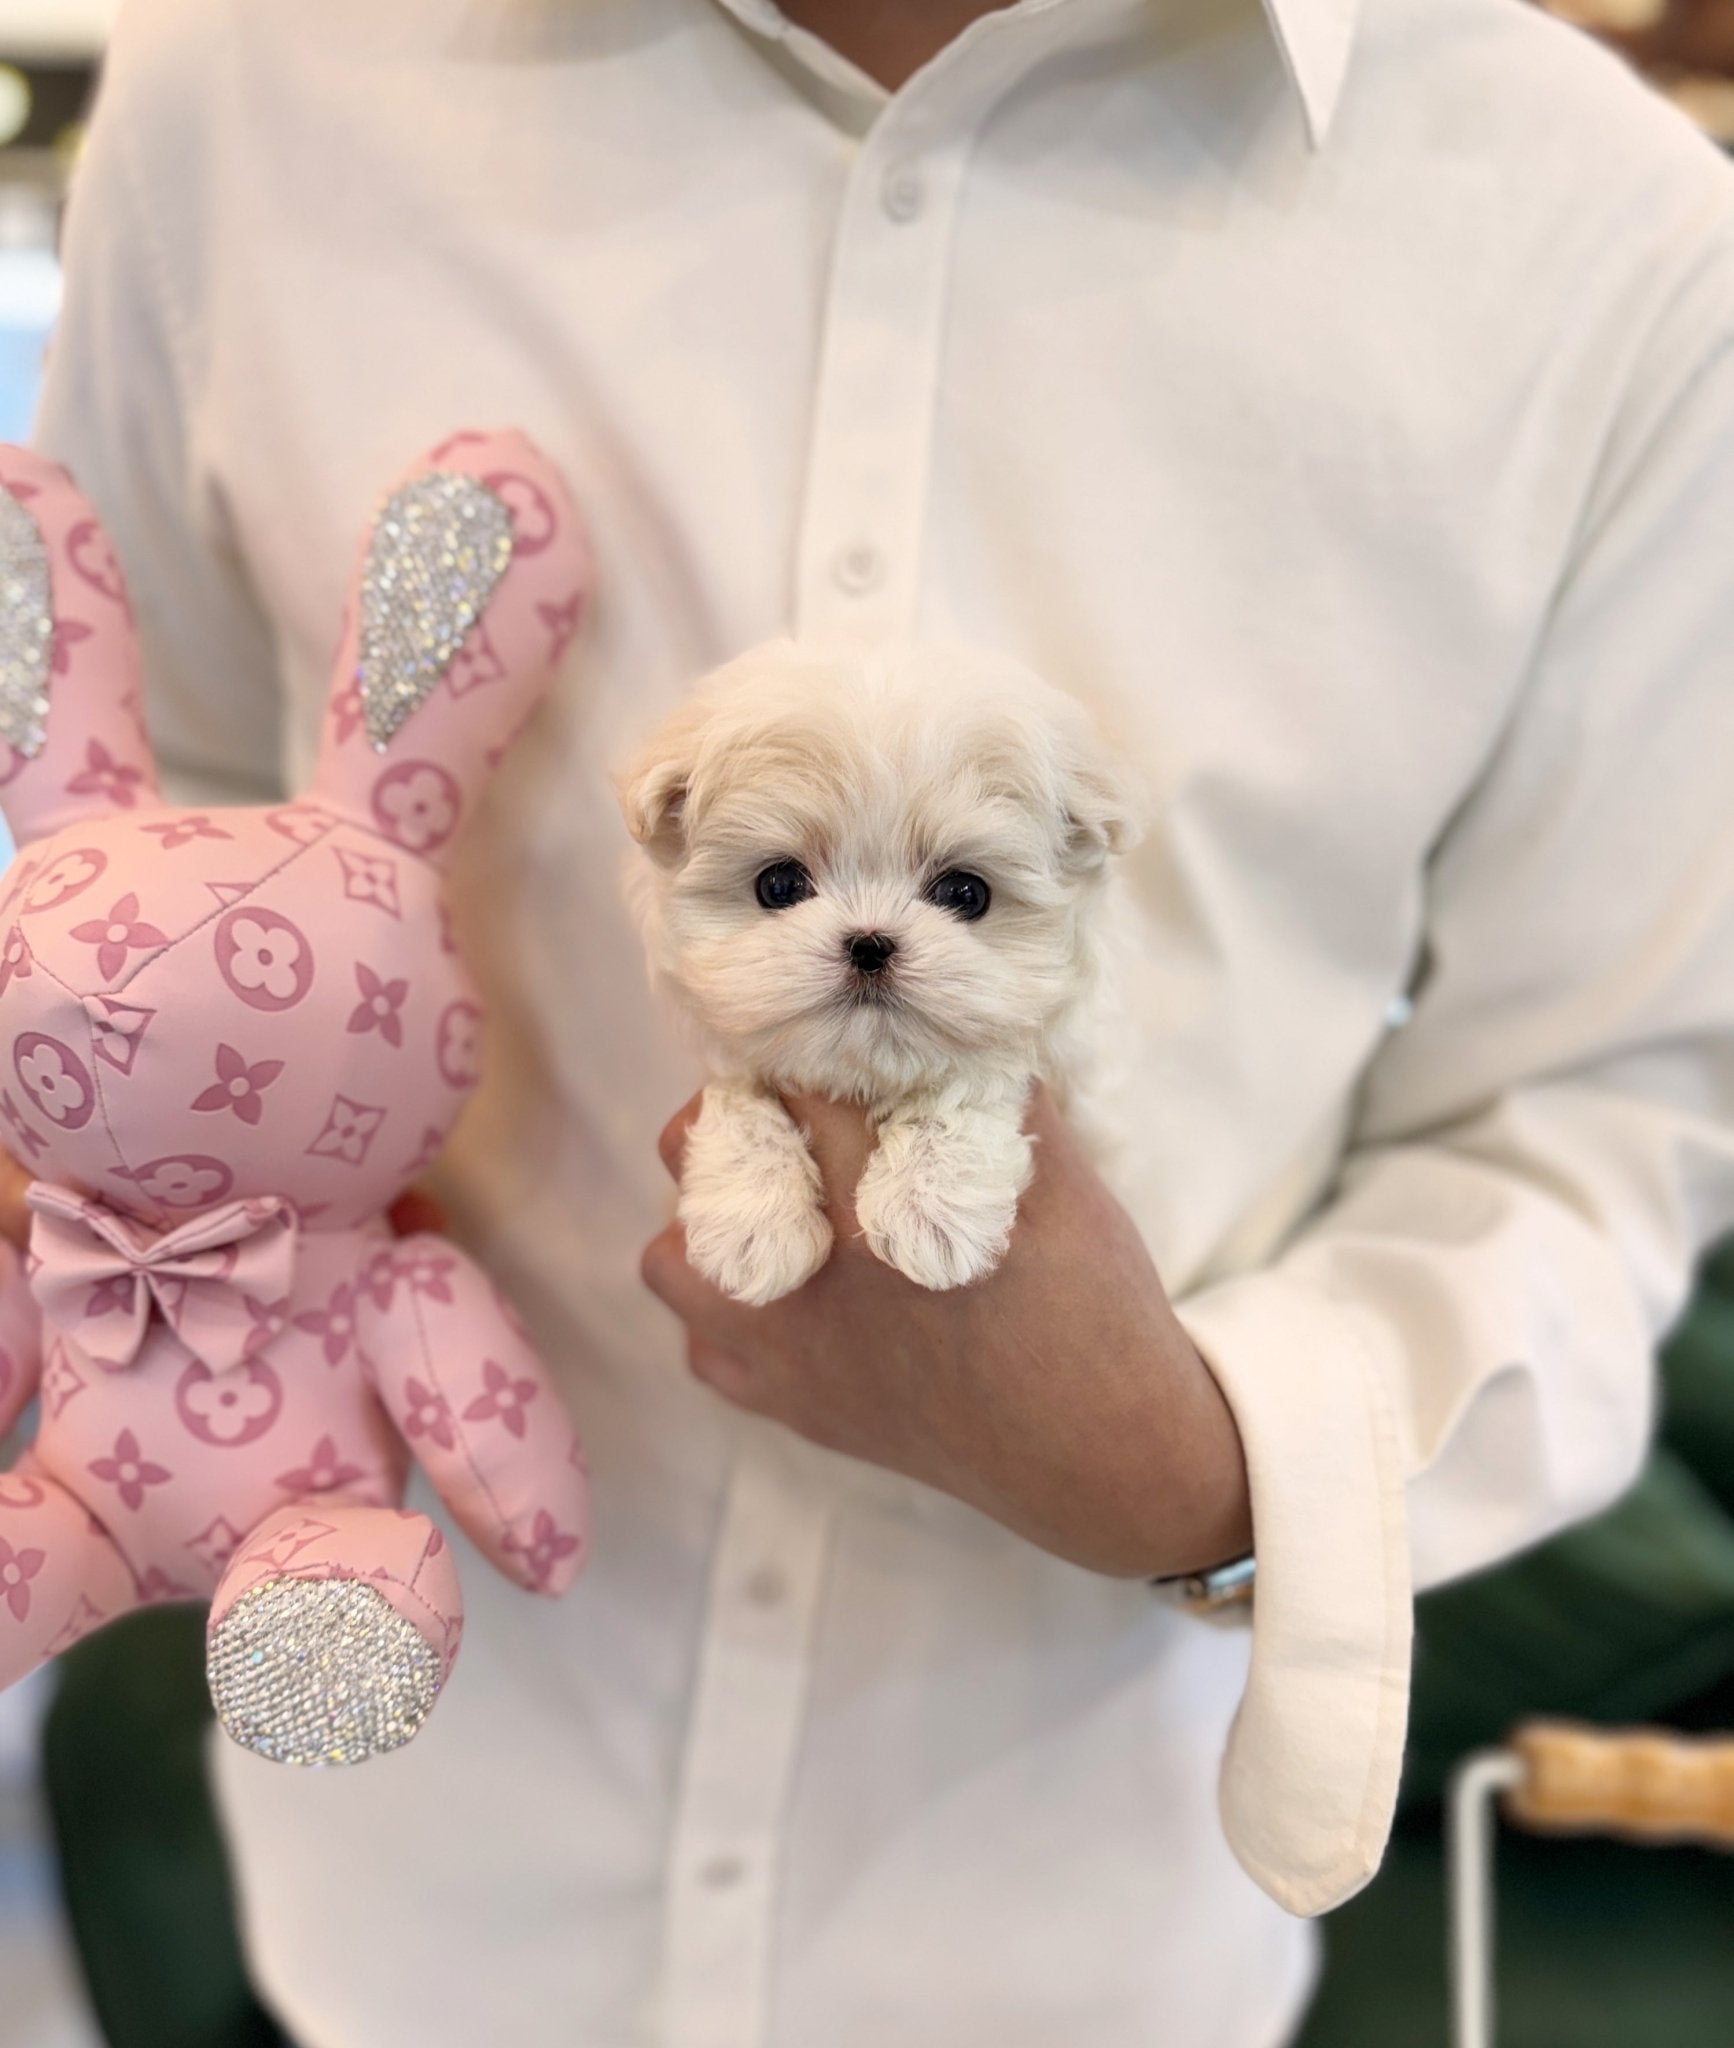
865, 871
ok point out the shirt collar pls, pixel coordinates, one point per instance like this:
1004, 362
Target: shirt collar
1313, 39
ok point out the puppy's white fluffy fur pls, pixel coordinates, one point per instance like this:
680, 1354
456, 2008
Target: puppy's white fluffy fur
878, 772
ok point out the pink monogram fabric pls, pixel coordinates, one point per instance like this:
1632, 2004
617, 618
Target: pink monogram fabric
228, 1039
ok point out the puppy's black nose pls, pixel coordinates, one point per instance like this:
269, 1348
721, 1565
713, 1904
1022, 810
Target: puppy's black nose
869, 951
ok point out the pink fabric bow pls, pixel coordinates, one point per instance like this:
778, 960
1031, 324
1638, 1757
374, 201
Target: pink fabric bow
216, 1279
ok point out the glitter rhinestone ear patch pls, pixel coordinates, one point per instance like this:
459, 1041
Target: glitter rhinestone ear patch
319, 1671
26, 628
439, 546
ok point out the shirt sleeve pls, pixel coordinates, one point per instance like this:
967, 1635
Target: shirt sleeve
121, 408
1453, 1356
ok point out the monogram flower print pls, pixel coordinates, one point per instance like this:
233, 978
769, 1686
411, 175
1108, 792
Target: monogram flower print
474, 664
238, 1086
183, 1180
546, 1548
182, 831
380, 1006
31, 1141
121, 932
424, 1273
505, 1400
84, 1617
426, 1414
89, 551
534, 521
103, 775
350, 1129
264, 958
322, 1471
17, 1569
269, 1321
300, 823
111, 1296
14, 957
54, 1078
130, 1470
230, 1408
416, 804
215, 1543
369, 878
561, 621
115, 1030
155, 1586
62, 1382
347, 715
333, 1325
65, 877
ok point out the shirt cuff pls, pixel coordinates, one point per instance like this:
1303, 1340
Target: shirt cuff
1309, 1778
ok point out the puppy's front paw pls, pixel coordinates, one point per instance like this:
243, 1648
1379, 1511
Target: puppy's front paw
940, 1212
758, 1257
751, 1199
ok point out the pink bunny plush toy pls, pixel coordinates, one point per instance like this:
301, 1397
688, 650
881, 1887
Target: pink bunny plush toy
228, 1039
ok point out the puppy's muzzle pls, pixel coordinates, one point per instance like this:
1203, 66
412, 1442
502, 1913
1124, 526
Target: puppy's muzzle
870, 952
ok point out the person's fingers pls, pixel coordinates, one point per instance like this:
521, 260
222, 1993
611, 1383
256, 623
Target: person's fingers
725, 1372
840, 1141
705, 1309
416, 1210
671, 1143
14, 1211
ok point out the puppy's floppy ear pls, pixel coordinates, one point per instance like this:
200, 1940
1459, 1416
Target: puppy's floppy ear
1106, 804
653, 788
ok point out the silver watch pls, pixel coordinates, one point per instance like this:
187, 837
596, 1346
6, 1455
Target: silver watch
1222, 1593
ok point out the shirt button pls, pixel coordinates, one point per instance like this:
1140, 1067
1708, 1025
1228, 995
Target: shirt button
767, 1587
858, 569
719, 1873
902, 194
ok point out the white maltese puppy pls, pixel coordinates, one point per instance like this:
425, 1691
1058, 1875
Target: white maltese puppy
873, 876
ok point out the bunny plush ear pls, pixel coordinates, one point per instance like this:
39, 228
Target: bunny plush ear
471, 583
72, 737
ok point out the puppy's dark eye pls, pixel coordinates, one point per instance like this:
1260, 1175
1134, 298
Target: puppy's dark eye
783, 884
965, 895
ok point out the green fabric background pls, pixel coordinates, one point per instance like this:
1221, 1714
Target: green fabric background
1629, 1618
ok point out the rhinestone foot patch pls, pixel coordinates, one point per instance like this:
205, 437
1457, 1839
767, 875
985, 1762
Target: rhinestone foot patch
319, 1671
26, 628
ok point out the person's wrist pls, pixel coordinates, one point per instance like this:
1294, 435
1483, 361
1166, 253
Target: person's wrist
1161, 1492
1198, 1499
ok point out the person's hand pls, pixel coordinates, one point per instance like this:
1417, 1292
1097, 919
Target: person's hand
415, 1210
14, 1216
1059, 1395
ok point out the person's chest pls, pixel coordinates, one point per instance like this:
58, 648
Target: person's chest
1274, 456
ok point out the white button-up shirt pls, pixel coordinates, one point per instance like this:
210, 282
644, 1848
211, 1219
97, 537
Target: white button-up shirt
1345, 407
